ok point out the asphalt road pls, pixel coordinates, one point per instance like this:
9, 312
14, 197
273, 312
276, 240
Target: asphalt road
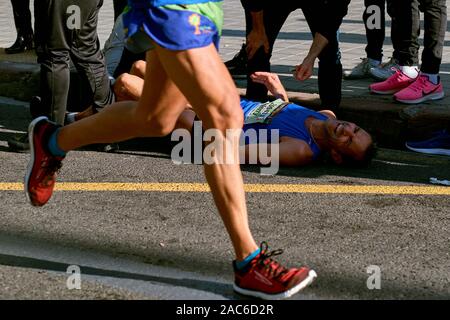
172, 245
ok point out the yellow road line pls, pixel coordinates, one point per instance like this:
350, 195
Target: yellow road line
256, 188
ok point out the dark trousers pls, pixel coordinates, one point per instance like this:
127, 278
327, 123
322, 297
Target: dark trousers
375, 36
65, 33
330, 67
119, 6
22, 17
406, 21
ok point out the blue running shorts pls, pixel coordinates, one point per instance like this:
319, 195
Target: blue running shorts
174, 27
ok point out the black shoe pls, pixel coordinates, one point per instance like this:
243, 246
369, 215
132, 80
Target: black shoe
19, 143
22, 43
238, 65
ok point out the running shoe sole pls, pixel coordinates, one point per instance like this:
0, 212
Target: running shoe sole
433, 96
31, 162
289, 293
444, 152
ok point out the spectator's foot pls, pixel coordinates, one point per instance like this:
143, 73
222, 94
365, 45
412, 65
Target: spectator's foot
360, 71
238, 65
19, 143
393, 84
22, 43
438, 144
43, 166
265, 278
420, 90
384, 70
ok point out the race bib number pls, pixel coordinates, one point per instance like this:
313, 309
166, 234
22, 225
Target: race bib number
264, 112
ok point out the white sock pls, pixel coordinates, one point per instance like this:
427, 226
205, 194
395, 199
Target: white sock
411, 72
374, 63
434, 78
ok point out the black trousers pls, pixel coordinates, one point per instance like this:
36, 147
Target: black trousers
375, 36
406, 22
119, 6
330, 67
66, 30
22, 17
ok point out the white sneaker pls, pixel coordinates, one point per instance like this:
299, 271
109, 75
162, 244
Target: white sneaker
384, 70
360, 71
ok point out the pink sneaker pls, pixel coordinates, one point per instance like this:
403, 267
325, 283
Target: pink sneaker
420, 90
393, 84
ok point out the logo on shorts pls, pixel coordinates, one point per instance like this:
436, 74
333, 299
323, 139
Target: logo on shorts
194, 20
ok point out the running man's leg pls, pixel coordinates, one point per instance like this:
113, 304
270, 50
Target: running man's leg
203, 78
118, 122
194, 71
154, 115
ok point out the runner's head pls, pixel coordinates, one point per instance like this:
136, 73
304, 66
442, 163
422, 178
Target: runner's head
349, 144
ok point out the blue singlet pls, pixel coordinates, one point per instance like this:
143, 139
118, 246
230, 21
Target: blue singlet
290, 122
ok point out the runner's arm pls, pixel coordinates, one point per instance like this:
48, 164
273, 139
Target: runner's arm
292, 152
272, 83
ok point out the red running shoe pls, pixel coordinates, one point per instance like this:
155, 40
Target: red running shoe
265, 278
41, 172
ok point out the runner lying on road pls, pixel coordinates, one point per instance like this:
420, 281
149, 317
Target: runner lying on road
305, 135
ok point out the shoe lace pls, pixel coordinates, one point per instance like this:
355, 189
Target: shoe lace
363, 64
395, 77
274, 269
418, 85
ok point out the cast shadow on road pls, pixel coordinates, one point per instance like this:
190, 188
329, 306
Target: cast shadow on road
225, 290
382, 170
331, 285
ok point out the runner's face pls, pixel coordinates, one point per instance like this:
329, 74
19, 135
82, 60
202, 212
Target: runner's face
347, 138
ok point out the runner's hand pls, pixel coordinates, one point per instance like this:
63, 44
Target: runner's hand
272, 83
